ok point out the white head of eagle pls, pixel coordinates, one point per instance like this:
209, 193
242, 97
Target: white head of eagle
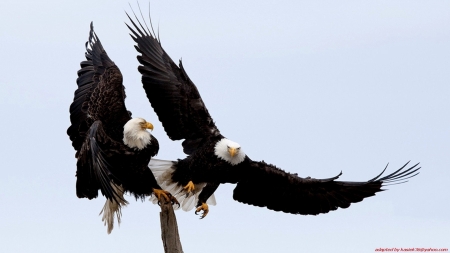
229, 151
135, 134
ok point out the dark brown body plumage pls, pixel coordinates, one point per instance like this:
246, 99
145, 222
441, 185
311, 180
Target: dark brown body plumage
183, 114
204, 166
98, 115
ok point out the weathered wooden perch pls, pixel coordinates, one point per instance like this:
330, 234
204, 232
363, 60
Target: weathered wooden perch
169, 229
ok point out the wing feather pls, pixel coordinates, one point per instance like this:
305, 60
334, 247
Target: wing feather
268, 186
173, 96
97, 68
93, 168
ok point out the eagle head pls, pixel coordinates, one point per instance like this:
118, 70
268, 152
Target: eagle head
229, 151
135, 134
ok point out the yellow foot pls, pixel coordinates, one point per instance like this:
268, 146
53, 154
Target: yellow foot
204, 208
189, 187
160, 194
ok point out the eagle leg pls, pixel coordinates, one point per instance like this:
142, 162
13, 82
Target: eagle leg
160, 194
203, 207
189, 187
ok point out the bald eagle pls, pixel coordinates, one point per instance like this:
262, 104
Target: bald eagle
112, 149
213, 159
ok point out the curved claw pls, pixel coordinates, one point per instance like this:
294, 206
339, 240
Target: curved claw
189, 187
160, 194
203, 207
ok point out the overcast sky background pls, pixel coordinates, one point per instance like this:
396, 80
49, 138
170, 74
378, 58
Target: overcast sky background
314, 87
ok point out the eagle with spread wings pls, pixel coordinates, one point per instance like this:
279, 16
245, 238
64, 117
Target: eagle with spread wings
112, 148
212, 159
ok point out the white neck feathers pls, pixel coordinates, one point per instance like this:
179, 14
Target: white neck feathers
134, 136
222, 150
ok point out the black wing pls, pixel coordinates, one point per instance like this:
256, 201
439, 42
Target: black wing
171, 93
267, 186
93, 168
97, 116
100, 93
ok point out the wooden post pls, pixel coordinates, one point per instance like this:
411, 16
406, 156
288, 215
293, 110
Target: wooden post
169, 229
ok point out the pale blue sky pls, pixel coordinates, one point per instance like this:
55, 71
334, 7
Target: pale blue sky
314, 87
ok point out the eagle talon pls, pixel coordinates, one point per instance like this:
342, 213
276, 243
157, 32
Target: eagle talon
174, 201
203, 207
160, 194
189, 187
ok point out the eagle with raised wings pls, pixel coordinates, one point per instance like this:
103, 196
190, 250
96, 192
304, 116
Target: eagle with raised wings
213, 159
112, 148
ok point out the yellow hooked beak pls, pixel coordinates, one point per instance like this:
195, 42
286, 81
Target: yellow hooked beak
232, 151
149, 125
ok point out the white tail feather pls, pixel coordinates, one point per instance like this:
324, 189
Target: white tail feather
110, 208
162, 170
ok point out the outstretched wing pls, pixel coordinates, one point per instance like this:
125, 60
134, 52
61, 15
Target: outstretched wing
267, 186
97, 116
100, 94
171, 93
